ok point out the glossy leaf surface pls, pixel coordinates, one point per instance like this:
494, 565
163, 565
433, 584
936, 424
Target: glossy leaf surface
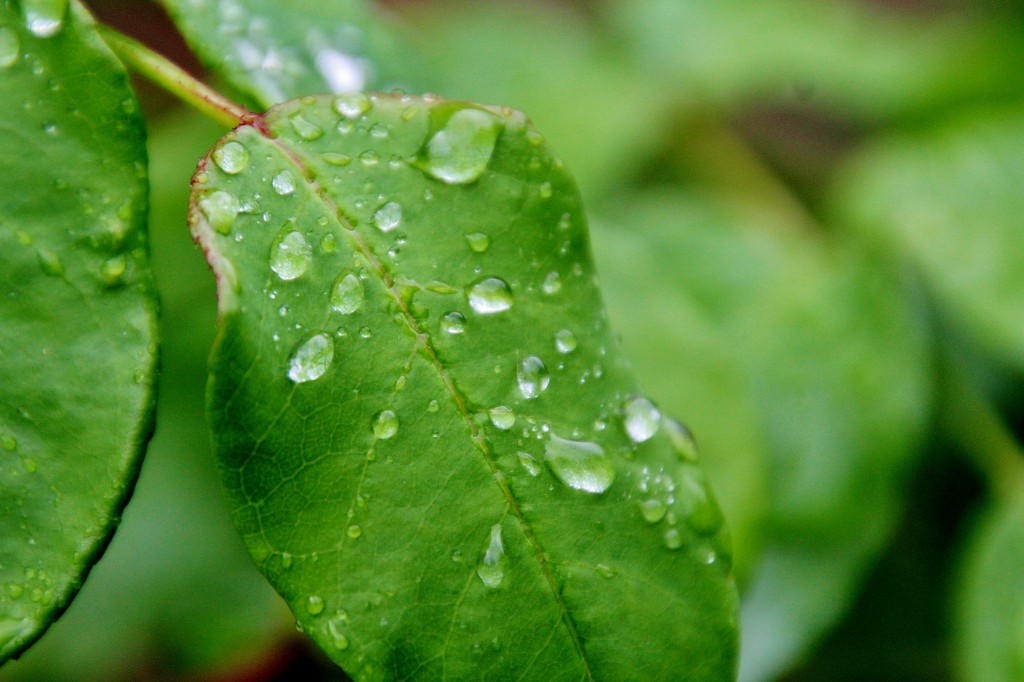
77, 341
431, 444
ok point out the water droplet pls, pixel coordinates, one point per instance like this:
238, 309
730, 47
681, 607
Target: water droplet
457, 556
354, 531
641, 418
529, 463
653, 510
545, 190
502, 417
581, 465
10, 47
335, 159
453, 322
533, 377
673, 540
387, 217
478, 241
352, 105
491, 568
433, 406
328, 243
311, 359
385, 424
682, 438
307, 130
286, 560
534, 138
45, 18
459, 153
552, 283
365, 332
231, 157
29, 464
8, 442
605, 571
379, 131
347, 294
490, 295
335, 628
50, 263
290, 255
113, 269
314, 605
15, 590
369, 158
284, 183
220, 209
565, 341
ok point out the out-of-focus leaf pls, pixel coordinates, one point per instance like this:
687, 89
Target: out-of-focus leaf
270, 51
840, 375
990, 609
547, 61
846, 56
951, 201
78, 309
432, 446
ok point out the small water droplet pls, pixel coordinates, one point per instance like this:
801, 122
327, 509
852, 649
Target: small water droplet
545, 190
385, 424
457, 556
50, 263
335, 159
379, 131
314, 605
641, 418
581, 465
231, 157
29, 464
290, 255
328, 243
453, 322
311, 359
682, 439
478, 241
491, 568
10, 47
490, 295
284, 183
336, 629
45, 18
529, 463
565, 341
460, 152
286, 560
352, 104
653, 510
387, 217
220, 209
502, 417
15, 590
605, 571
552, 283
534, 138
354, 531
8, 442
673, 539
306, 129
347, 294
369, 158
532, 376
365, 332
113, 270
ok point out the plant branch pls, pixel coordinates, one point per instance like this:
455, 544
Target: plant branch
176, 80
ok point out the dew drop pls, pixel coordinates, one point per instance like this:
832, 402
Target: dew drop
433, 406
369, 158
532, 376
459, 153
286, 560
10, 47
565, 341
552, 283
336, 159
347, 294
311, 359
314, 605
653, 510
50, 263
113, 269
220, 209
682, 439
45, 18
354, 531
387, 217
453, 322
502, 417
605, 571
290, 255
640, 418
328, 243
8, 442
231, 157
673, 539
478, 241
306, 129
546, 190
385, 424
284, 183
490, 295
529, 463
581, 465
352, 105
335, 628
491, 569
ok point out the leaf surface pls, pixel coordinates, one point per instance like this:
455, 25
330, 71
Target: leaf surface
77, 341
431, 444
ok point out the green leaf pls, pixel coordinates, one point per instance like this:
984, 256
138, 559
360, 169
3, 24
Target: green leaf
949, 200
270, 51
431, 444
78, 309
990, 608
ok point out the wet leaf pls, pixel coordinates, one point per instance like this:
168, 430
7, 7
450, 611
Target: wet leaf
77, 341
431, 445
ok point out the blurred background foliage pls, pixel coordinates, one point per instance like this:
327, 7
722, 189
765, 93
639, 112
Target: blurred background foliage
808, 216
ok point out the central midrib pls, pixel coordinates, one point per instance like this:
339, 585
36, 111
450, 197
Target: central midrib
387, 281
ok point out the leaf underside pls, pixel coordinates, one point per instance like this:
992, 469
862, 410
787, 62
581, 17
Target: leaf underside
77, 341
432, 448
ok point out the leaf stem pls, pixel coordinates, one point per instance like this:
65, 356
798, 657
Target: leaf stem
176, 80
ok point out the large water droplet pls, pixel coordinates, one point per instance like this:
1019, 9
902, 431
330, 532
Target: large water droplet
45, 18
502, 417
532, 375
352, 104
459, 152
581, 465
336, 629
529, 463
453, 322
641, 418
10, 47
491, 568
311, 359
284, 183
290, 255
478, 241
306, 129
231, 157
220, 209
385, 424
387, 217
347, 294
565, 341
490, 295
